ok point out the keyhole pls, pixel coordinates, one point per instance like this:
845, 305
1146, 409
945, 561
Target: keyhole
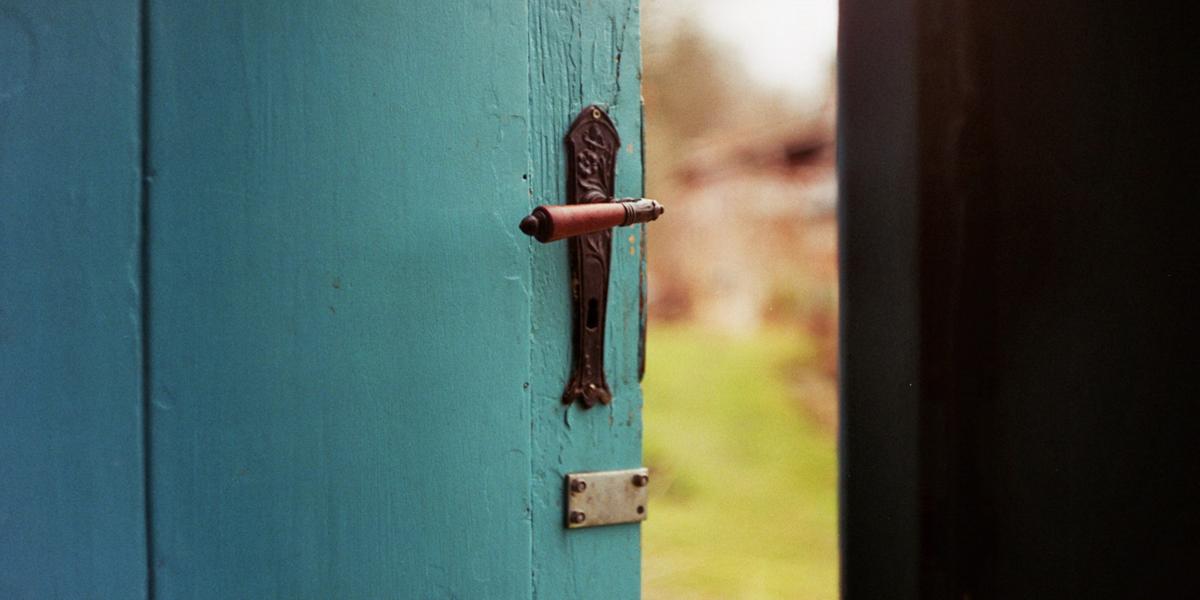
593, 314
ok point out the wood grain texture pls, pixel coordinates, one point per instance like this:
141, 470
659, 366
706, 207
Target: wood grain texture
583, 52
340, 300
71, 469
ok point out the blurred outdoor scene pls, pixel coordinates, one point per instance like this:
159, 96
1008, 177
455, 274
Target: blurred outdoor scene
741, 395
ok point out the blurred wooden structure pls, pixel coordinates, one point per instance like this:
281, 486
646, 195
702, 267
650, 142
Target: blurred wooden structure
745, 201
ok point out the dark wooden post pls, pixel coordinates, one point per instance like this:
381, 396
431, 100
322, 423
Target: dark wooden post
1019, 323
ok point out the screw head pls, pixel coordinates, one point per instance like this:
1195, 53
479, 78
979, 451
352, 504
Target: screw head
578, 485
577, 517
641, 480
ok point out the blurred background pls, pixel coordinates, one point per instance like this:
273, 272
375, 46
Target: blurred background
741, 393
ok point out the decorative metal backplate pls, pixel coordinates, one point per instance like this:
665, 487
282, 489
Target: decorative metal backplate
606, 497
592, 145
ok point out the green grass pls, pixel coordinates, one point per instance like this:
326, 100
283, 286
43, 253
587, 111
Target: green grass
743, 485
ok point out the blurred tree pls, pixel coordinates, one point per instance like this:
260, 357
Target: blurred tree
690, 84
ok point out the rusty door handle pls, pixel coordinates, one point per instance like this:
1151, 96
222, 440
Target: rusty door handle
551, 223
587, 219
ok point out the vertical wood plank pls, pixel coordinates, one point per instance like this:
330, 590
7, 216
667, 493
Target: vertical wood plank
880, 372
583, 52
71, 470
340, 299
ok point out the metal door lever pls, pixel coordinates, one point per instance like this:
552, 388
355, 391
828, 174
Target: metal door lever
587, 219
552, 223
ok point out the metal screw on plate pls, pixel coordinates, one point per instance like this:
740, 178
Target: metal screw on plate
577, 517
578, 486
641, 480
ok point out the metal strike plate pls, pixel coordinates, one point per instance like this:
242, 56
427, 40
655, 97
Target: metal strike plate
606, 497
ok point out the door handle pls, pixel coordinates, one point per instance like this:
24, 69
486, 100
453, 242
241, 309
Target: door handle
587, 220
552, 223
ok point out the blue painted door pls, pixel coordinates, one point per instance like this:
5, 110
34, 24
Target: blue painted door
270, 330
72, 519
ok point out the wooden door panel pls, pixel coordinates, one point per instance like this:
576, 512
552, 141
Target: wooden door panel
72, 519
289, 231
584, 53
340, 321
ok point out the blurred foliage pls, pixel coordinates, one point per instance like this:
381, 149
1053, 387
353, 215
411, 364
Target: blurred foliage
690, 86
743, 479
692, 89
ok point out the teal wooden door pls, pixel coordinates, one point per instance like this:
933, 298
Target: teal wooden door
332, 366
72, 518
